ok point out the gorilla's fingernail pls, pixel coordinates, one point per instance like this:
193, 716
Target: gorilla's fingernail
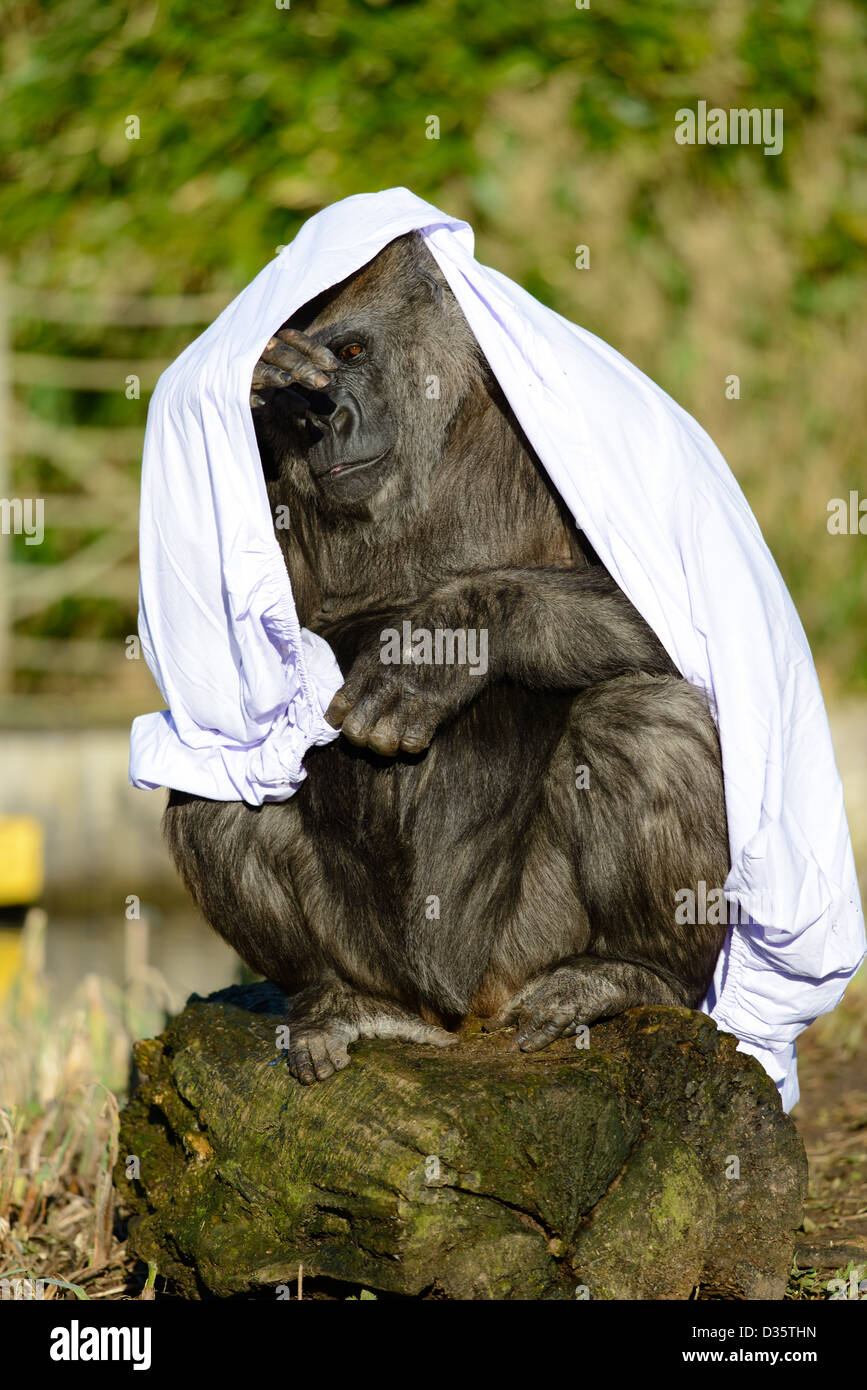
321, 380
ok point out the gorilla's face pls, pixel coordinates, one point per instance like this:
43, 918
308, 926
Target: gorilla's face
348, 436
403, 361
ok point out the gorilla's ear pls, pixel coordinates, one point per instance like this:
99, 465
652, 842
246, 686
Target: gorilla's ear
433, 285
425, 279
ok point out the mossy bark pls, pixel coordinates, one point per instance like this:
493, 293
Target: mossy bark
654, 1162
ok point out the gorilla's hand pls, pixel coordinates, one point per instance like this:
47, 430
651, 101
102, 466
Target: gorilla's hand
291, 358
394, 703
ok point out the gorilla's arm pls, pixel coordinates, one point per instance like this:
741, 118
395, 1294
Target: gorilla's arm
552, 629
555, 628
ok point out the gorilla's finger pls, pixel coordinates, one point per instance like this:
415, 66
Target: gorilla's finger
418, 731
290, 399
414, 741
359, 724
384, 737
340, 706
319, 354
355, 732
409, 727
266, 374
299, 367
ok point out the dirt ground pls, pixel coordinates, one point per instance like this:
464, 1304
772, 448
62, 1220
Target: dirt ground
832, 1118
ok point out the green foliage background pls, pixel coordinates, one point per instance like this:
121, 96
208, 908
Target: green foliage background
556, 129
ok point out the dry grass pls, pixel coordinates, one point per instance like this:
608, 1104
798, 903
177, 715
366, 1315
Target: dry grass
60, 1079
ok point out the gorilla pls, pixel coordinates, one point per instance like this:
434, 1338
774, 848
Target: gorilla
503, 838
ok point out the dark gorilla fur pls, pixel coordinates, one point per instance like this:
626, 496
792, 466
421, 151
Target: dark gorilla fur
556, 902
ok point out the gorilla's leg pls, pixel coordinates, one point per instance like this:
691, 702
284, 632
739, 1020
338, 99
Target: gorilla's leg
649, 823
240, 865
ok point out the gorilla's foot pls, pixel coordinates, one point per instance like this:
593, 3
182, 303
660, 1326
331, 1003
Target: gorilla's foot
580, 991
325, 1019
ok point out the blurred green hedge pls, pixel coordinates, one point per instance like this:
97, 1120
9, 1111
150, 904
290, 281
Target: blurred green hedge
556, 128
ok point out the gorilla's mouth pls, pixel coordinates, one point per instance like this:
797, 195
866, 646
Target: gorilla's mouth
355, 465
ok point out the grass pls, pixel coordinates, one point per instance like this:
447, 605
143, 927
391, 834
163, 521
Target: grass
61, 1080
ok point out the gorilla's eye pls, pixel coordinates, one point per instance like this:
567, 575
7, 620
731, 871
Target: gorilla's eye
351, 352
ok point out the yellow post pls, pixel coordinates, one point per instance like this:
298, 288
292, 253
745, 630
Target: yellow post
22, 870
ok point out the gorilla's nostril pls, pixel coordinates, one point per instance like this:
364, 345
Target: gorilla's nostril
342, 421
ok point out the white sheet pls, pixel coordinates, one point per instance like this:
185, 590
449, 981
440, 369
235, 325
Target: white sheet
247, 689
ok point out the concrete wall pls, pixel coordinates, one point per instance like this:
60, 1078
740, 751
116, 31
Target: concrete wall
103, 837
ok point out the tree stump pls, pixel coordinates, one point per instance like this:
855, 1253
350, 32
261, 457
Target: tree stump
652, 1163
